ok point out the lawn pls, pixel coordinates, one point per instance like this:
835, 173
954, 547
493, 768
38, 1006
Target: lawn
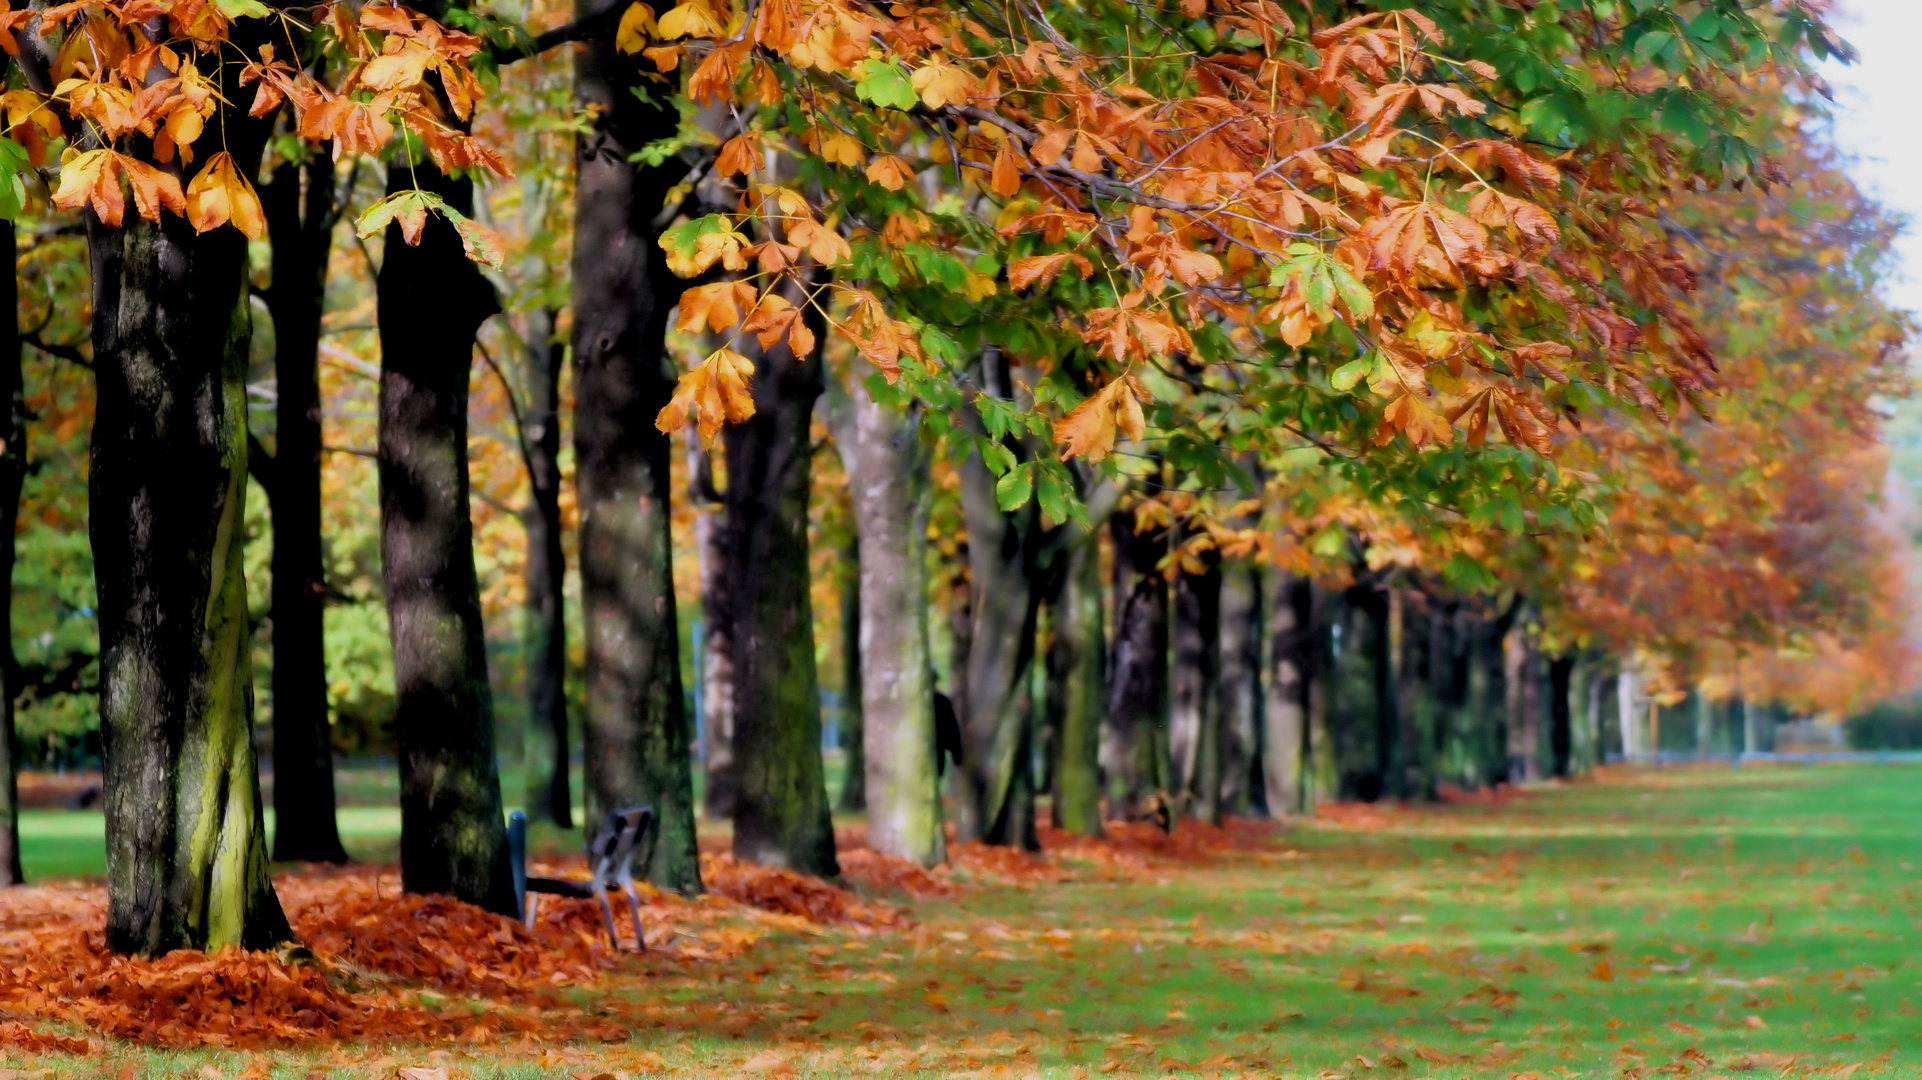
1685, 921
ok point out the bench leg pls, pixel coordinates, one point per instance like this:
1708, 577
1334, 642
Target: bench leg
607, 917
532, 903
634, 913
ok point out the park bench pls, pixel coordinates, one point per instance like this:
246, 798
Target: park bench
622, 835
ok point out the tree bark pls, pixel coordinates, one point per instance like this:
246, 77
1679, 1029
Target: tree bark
891, 500
186, 845
997, 725
715, 643
781, 818
1135, 745
1284, 715
13, 474
1194, 727
1561, 720
636, 724
300, 227
544, 742
432, 300
854, 796
1080, 647
1242, 793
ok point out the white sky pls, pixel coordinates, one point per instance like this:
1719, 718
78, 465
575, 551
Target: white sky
1875, 120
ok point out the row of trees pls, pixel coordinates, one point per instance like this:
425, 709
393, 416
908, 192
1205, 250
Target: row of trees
1307, 400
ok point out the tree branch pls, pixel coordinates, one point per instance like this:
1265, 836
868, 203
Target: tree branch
58, 350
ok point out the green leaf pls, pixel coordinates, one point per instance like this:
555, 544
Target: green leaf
400, 204
1346, 376
1354, 295
1468, 575
883, 84
13, 188
1013, 490
244, 9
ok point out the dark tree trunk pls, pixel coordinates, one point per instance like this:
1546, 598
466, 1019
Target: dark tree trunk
186, 844
432, 301
544, 743
1361, 700
998, 723
636, 726
13, 473
854, 795
782, 816
300, 227
1561, 720
1135, 747
1194, 729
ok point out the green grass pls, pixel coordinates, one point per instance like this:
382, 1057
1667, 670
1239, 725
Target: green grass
1461, 941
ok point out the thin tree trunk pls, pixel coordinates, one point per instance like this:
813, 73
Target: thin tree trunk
635, 725
13, 473
1080, 647
1194, 727
1135, 746
1284, 714
300, 227
432, 300
544, 743
896, 680
782, 816
186, 844
716, 642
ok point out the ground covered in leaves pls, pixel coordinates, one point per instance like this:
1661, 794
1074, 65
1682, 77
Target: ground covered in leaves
1702, 922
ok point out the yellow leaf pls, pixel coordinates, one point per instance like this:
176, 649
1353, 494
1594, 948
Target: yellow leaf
691, 20
220, 196
713, 393
890, 172
1090, 429
941, 83
637, 24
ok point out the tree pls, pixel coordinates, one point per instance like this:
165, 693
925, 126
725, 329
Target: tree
636, 723
300, 209
13, 473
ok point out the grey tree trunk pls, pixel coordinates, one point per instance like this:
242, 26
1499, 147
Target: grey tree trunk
781, 818
1194, 728
544, 743
186, 846
300, 221
1242, 790
997, 725
635, 726
1284, 714
1080, 645
889, 483
1134, 753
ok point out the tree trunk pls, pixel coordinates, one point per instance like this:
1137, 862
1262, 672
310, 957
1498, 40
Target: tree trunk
432, 300
854, 793
544, 743
1360, 699
896, 677
636, 726
1135, 747
300, 226
1080, 647
781, 818
715, 644
186, 845
1284, 714
1194, 726
13, 474
1632, 741
1561, 720
1242, 793
997, 726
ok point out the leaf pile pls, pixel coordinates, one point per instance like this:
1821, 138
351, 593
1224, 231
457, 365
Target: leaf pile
786, 892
